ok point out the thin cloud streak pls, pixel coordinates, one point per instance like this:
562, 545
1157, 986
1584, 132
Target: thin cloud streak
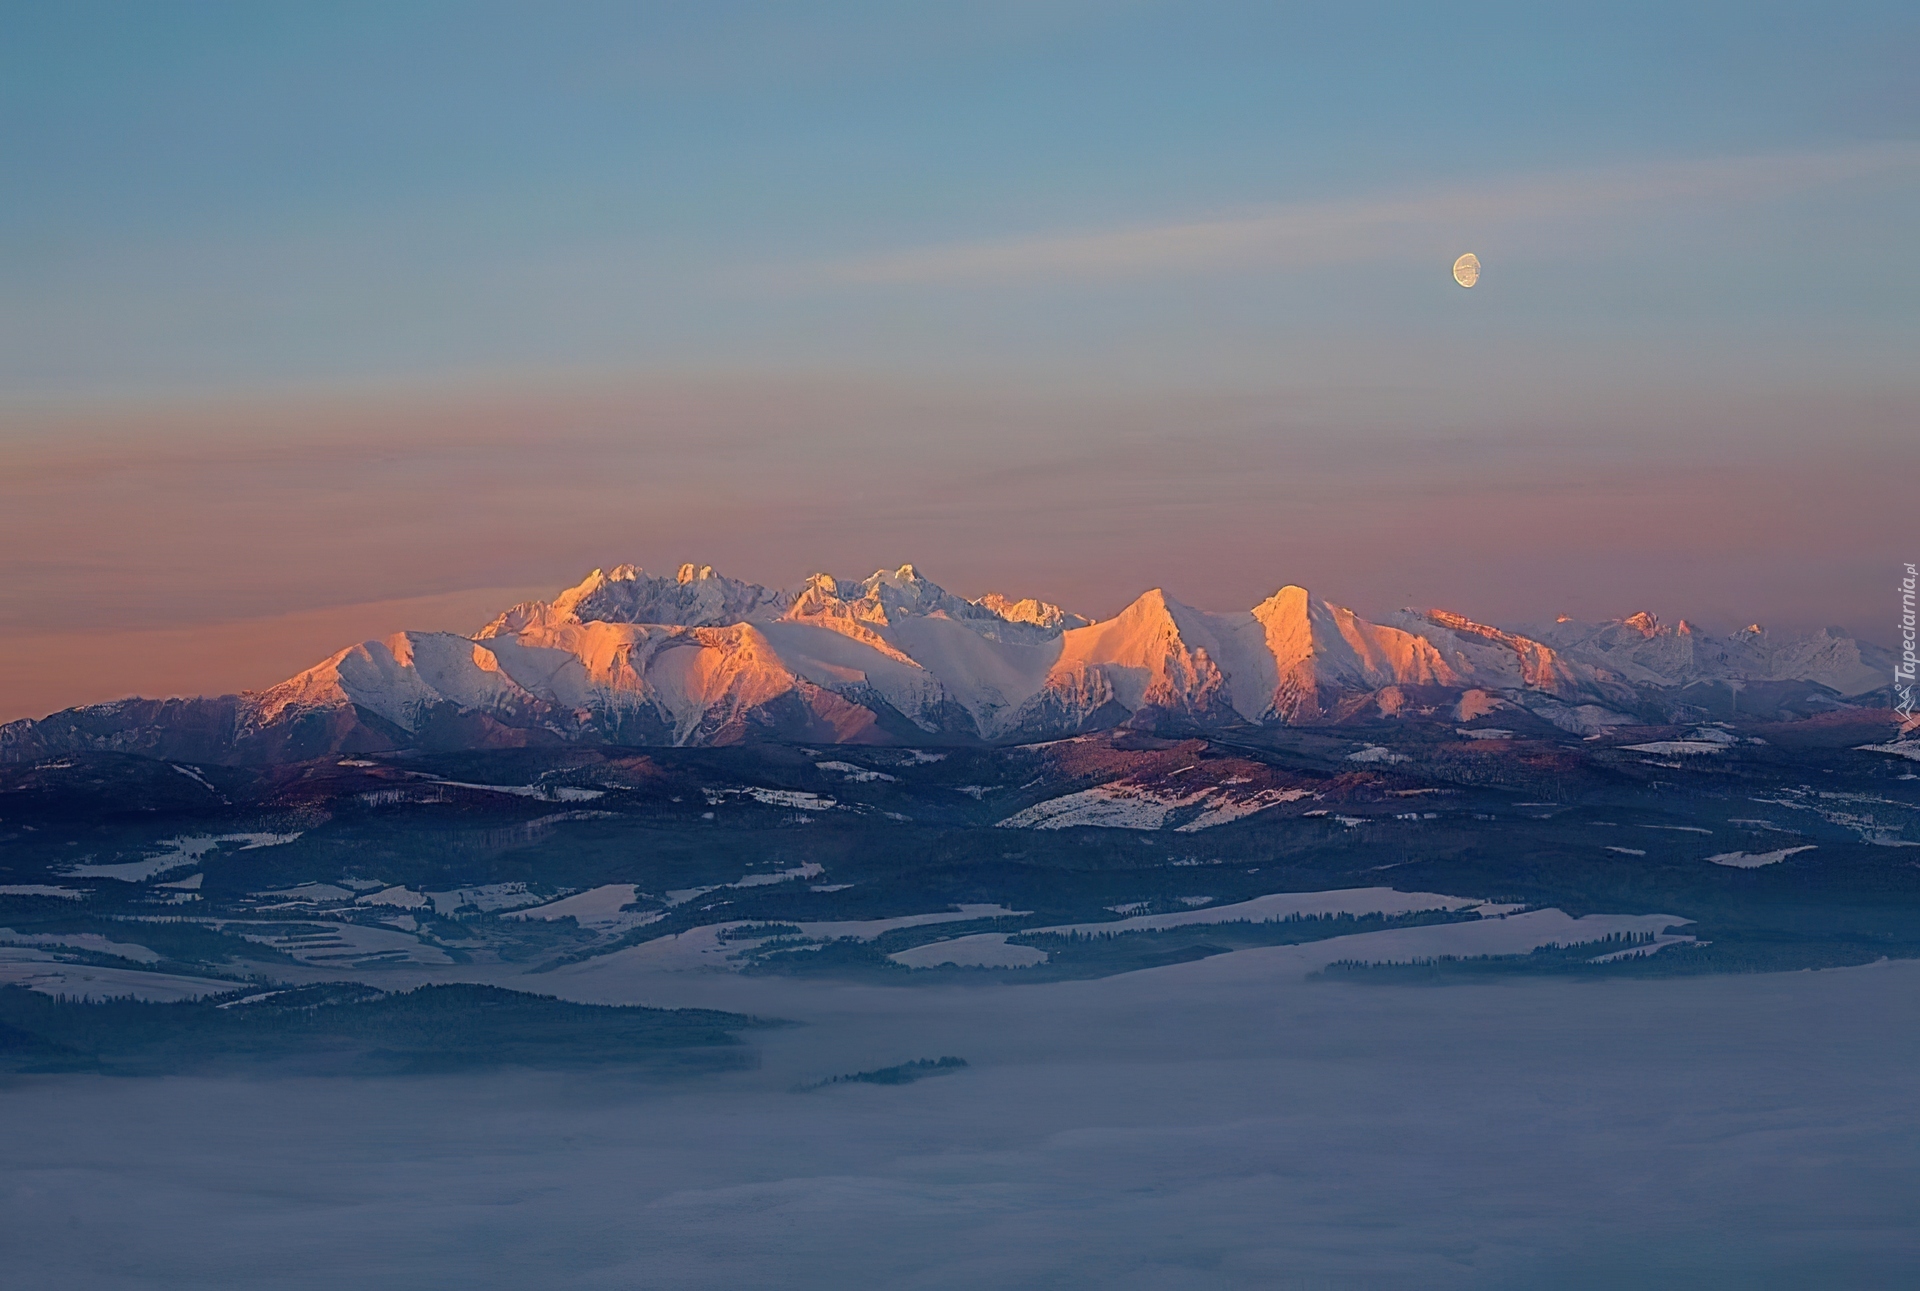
1335, 232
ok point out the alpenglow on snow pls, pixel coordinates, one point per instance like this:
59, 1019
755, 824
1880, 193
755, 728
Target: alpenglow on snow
627, 657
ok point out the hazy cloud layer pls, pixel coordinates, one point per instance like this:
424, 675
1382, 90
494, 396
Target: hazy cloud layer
1210, 1126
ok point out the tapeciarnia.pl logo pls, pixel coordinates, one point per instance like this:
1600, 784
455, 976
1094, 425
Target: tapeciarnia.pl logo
1903, 667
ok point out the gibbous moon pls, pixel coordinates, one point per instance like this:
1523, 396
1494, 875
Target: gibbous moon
1466, 270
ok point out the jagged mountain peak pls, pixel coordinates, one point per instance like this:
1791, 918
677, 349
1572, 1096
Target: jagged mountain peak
889, 597
626, 656
1041, 614
695, 596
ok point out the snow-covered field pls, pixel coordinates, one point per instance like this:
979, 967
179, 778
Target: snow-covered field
1127, 805
48, 973
1225, 811
1909, 749
176, 854
92, 941
655, 971
1754, 860
636, 973
596, 907
868, 929
1671, 747
811, 870
979, 950
1653, 947
544, 792
1286, 905
484, 898
1219, 1124
339, 945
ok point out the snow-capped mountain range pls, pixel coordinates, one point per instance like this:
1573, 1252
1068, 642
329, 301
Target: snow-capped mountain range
696, 658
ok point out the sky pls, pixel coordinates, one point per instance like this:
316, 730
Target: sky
320, 322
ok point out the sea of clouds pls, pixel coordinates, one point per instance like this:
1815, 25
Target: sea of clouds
1226, 1123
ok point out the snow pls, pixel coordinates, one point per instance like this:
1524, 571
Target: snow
857, 773
405, 898
1120, 805
1278, 906
41, 890
990, 678
812, 869
918, 648
1754, 860
1671, 747
339, 944
545, 792
40, 971
844, 653
485, 898
868, 929
595, 908
1628, 851
793, 798
698, 654
1227, 812
707, 949
1580, 719
1516, 934
308, 894
1484, 733
251, 841
980, 950
1127, 804
1857, 814
189, 884
92, 941
1659, 943
194, 776
1909, 749
179, 853
1377, 753
695, 950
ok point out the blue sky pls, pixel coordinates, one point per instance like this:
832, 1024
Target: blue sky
1066, 299
203, 197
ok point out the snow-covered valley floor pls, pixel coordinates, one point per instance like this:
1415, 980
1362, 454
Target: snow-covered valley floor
1221, 1123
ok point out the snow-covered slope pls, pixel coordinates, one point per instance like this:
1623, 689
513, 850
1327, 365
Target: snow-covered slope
1641, 650
698, 658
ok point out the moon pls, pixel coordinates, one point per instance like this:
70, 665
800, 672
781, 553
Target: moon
1466, 270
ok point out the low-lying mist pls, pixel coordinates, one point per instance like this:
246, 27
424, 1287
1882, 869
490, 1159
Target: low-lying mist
1214, 1124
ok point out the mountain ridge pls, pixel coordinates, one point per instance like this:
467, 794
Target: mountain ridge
697, 658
